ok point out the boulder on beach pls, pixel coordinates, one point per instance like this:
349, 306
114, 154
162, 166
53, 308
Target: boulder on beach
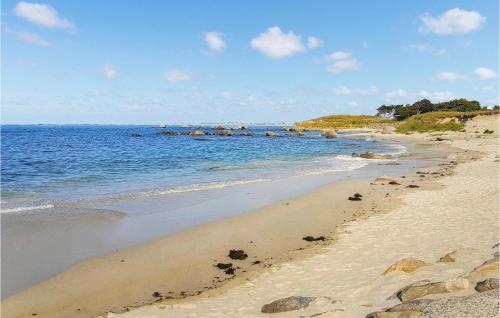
395, 314
407, 265
487, 284
287, 304
414, 305
197, 133
329, 134
272, 134
420, 289
310, 238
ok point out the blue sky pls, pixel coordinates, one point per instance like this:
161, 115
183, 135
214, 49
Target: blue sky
249, 61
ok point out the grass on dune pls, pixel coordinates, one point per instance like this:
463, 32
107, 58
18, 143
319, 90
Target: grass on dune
336, 122
439, 121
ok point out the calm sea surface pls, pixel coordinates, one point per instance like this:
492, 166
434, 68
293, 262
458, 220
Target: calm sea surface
47, 165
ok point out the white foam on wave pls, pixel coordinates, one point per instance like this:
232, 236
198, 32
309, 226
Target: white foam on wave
26, 208
203, 187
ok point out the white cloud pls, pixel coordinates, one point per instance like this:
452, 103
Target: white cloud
342, 61
215, 41
226, 94
454, 21
399, 93
437, 96
109, 71
275, 44
176, 75
313, 42
42, 14
342, 90
485, 73
353, 104
28, 37
426, 48
450, 76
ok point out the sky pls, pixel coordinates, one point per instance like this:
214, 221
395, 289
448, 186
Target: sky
151, 61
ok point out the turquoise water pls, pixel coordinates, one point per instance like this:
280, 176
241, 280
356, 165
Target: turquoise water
46, 165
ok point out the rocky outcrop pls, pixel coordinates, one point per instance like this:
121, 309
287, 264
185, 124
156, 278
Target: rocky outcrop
407, 265
197, 133
169, 133
287, 304
372, 155
413, 305
272, 134
224, 133
329, 134
487, 284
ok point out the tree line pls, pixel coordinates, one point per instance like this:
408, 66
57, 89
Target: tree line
401, 112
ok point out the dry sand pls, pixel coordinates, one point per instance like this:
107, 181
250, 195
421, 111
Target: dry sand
444, 214
461, 216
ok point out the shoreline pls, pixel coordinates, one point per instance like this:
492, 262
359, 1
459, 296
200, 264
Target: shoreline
269, 235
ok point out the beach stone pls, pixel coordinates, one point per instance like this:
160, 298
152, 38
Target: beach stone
418, 290
272, 134
489, 265
237, 254
395, 314
310, 238
487, 284
407, 265
329, 134
196, 133
413, 305
456, 284
448, 258
287, 304
368, 155
386, 179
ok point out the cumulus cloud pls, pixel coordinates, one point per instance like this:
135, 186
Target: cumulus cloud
176, 75
399, 93
42, 14
485, 73
454, 21
28, 37
437, 96
341, 61
109, 71
313, 42
450, 76
215, 41
342, 90
275, 44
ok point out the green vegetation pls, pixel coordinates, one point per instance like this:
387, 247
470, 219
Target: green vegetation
336, 122
401, 112
439, 121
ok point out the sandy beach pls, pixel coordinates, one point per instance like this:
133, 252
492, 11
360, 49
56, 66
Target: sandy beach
352, 243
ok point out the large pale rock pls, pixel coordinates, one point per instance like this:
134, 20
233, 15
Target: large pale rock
456, 284
416, 291
287, 304
407, 265
329, 134
489, 265
487, 284
413, 305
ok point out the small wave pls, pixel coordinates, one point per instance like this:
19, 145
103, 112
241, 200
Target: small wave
201, 187
27, 208
352, 166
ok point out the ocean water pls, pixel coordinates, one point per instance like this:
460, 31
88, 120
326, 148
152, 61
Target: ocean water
47, 166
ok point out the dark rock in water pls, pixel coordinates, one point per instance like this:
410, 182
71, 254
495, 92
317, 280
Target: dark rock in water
224, 133
298, 134
287, 304
312, 238
218, 128
136, 134
487, 284
202, 139
272, 134
169, 133
412, 186
156, 294
247, 134
237, 254
288, 129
